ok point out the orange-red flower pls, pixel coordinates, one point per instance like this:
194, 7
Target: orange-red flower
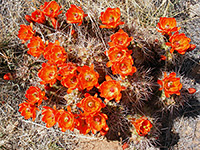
49, 116
75, 14
36, 46
83, 126
116, 54
87, 77
8, 76
162, 57
54, 53
27, 110
179, 42
51, 9
65, 119
98, 123
167, 25
70, 81
142, 126
35, 95
90, 105
67, 68
124, 67
48, 73
111, 89
120, 38
25, 32
170, 84
111, 18
38, 16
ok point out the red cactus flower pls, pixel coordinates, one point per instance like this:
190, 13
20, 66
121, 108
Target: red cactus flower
98, 123
51, 9
75, 14
124, 67
35, 95
170, 84
36, 46
49, 116
70, 81
27, 110
38, 16
116, 54
67, 68
191, 90
83, 126
88, 77
120, 38
48, 73
25, 32
179, 42
142, 125
65, 119
167, 26
54, 53
111, 89
8, 76
90, 105
111, 18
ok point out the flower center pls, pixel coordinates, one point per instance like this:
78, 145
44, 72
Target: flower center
75, 15
51, 74
91, 104
170, 84
27, 110
73, 79
123, 66
176, 44
167, 26
88, 77
112, 89
97, 119
66, 119
111, 18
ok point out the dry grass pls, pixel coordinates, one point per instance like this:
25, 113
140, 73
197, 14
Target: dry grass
141, 17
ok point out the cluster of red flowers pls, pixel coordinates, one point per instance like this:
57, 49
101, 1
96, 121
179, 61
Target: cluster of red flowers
178, 41
71, 76
120, 59
34, 97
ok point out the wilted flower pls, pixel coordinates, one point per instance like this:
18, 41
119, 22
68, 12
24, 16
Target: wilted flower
142, 125
25, 32
75, 14
179, 42
88, 77
98, 123
91, 105
124, 67
167, 25
111, 89
48, 73
49, 116
170, 84
35, 95
27, 110
36, 46
51, 9
120, 38
111, 18
54, 53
